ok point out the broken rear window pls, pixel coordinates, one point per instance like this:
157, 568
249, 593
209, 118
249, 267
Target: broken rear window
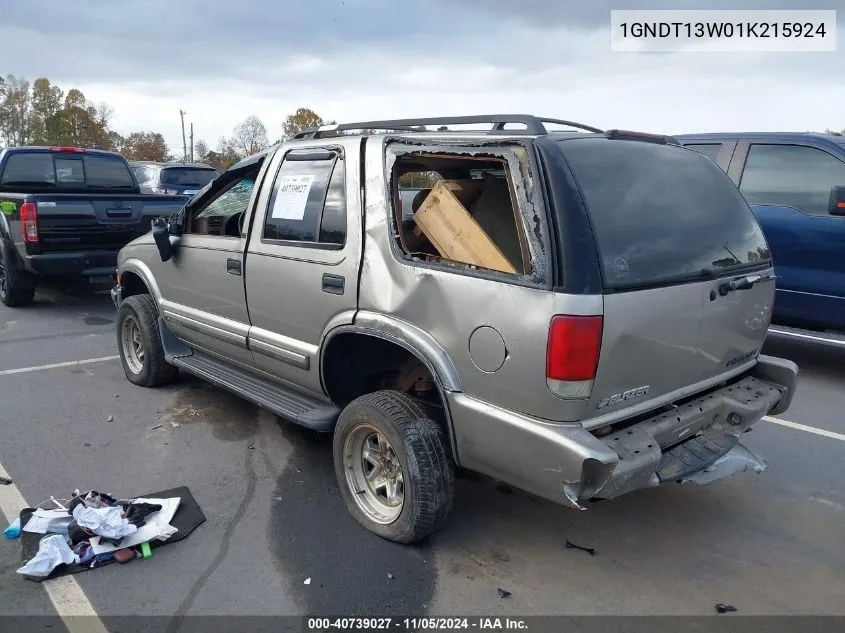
459, 209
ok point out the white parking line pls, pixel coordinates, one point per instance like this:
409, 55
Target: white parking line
72, 363
65, 593
804, 427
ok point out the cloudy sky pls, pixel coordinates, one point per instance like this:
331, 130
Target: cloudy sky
221, 60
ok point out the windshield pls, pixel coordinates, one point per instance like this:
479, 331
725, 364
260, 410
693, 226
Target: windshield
662, 214
66, 170
187, 176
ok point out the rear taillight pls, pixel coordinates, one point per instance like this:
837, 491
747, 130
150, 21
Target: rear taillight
572, 355
29, 221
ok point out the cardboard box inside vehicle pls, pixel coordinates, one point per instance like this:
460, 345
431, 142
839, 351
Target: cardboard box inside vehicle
457, 236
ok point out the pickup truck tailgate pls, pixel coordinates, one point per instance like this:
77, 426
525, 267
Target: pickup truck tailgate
102, 222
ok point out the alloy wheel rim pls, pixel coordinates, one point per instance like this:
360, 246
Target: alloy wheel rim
132, 344
374, 474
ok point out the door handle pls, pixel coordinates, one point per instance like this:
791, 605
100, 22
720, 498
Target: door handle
333, 284
233, 266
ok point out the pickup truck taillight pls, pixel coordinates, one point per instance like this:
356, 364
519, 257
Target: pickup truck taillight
572, 355
29, 221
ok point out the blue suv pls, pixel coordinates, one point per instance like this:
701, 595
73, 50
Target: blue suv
795, 184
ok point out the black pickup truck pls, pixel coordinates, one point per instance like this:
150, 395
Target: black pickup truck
65, 212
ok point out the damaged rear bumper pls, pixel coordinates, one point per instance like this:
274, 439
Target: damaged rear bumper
696, 442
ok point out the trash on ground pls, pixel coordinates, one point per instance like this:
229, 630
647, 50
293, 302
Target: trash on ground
157, 426
93, 529
44, 521
504, 593
14, 530
389, 576
5, 481
110, 418
175, 425
307, 581
725, 608
590, 550
53, 550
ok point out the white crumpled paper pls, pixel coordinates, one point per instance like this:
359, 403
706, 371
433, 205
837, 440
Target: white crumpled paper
53, 550
106, 522
157, 527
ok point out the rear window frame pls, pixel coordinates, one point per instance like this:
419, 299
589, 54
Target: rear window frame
56, 186
160, 176
607, 285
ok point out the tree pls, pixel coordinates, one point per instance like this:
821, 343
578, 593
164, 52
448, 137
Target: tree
201, 151
224, 157
15, 111
145, 146
249, 137
46, 104
302, 119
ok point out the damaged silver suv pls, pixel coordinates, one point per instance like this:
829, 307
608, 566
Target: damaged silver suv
578, 313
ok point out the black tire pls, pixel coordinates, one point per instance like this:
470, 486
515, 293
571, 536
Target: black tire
16, 288
419, 443
154, 370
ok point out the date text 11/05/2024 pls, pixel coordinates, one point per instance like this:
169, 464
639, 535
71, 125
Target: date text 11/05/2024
418, 624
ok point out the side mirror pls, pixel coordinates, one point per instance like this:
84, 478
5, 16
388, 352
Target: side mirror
161, 235
836, 206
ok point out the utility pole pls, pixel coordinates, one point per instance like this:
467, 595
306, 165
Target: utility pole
192, 141
184, 142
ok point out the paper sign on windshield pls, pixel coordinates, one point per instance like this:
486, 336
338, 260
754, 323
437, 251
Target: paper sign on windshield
292, 197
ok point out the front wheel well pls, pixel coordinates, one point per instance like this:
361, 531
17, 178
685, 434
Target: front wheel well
132, 284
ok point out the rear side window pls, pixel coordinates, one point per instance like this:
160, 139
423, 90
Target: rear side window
308, 203
662, 214
66, 170
187, 177
791, 175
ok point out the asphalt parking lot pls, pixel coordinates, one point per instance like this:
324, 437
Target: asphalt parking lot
767, 544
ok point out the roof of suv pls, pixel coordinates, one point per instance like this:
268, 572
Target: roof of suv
837, 138
532, 126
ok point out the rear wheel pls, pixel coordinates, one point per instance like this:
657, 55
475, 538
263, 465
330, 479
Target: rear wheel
393, 466
15, 289
139, 342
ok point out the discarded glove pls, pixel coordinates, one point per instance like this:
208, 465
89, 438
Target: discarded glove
137, 513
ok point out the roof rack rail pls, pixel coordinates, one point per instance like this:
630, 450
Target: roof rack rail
533, 125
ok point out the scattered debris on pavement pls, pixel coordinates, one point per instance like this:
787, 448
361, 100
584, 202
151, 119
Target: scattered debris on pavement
94, 529
110, 418
504, 593
307, 581
725, 608
5, 481
590, 550
389, 576
175, 425
157, 426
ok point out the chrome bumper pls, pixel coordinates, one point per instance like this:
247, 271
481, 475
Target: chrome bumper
695, 442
